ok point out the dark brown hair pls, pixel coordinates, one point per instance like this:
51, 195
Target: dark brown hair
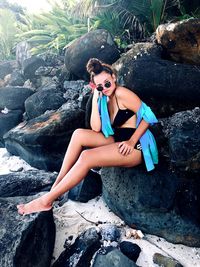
96, 66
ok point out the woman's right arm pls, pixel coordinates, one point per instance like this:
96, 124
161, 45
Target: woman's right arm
95, 120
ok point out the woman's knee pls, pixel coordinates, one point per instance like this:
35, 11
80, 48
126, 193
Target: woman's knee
78, 133
85, 158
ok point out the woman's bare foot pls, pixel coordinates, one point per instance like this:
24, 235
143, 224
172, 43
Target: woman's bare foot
37, 205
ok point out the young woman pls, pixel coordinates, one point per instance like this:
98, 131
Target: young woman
119, 136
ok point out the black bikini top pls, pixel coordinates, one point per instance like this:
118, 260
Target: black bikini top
122, 116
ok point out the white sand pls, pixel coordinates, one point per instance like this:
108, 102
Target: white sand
70, 223
9, 163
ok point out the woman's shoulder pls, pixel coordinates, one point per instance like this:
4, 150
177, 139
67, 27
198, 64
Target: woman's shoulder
123, 92
128, 98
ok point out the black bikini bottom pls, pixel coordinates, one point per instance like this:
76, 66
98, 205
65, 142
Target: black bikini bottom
124, 134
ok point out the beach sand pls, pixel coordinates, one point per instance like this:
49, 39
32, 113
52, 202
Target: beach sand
70, 223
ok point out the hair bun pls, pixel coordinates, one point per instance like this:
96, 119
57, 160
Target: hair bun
94, 65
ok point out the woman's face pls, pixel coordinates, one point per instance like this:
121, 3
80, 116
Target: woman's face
106, 82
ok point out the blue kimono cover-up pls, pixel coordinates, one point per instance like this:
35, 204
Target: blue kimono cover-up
147, 140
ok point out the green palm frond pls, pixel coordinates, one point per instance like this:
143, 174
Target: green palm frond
53, 30
8, 29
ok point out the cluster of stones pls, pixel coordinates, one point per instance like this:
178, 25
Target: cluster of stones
44, 98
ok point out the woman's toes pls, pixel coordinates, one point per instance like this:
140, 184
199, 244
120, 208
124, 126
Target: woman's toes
21, 211
20, 205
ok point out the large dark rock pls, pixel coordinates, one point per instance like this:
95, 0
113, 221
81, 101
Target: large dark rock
110, 257
25, 183
42, 101
149, 201
181, 40
98, 43
14, 97
17, 79
30, 65
81, 252
183, 133
166, 201
11, 108
131, 250
87, 189
166, 86
8, 121
42, 141
25, 241
6, 67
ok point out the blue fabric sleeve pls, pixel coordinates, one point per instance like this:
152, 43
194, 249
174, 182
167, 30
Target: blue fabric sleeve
105, 119
147, 114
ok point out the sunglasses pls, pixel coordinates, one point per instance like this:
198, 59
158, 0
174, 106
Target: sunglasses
106, 85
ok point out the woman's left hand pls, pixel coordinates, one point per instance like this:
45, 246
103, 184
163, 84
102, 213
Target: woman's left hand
126, 147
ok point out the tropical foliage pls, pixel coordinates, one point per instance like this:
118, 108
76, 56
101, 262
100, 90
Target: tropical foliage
51, 31
126, 20
8, 31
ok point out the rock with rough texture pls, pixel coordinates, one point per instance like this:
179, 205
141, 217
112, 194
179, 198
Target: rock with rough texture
43, 100
30, 65
16, 79
165, 261
81, 252
25, 183
14, 97
98, 43
167, 87
109, 232
150, 201
131, 250
25, 241
183, 132
9, 121
110, 257
181, 40
87, 189
42, 141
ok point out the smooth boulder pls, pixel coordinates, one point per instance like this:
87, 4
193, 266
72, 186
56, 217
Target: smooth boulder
110, 257
13, 97
42, 141
98, 43
167, 87
8, 121
11, 107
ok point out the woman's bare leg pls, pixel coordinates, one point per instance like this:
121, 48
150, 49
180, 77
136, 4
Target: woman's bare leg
101, 156
81, 138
